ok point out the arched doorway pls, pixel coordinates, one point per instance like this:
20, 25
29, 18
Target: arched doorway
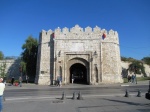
79, 73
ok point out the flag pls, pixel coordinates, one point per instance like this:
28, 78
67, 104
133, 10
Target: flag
103, 36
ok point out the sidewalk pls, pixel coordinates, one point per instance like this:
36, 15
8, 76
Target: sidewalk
35, 86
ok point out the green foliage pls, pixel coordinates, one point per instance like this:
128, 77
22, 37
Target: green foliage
143, 78
137, 67
29, 56
3, 69
1, 55
146, 60
125, 80
16, 81
123, 58
127, 59
23, 67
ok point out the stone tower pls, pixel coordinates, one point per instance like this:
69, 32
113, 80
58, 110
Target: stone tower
90, 56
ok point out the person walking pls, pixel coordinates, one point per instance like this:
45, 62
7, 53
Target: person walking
133, 78
12, 81
20, 81
60, 80
27, 79
2, 87
129, 78
72, 79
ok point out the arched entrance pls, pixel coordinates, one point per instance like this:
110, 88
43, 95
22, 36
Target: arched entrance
79, 72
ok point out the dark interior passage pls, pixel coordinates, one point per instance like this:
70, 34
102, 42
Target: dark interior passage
79, 73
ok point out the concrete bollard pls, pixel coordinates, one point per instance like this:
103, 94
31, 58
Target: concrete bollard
127, 93
80, 96
74, 96
139, 93
147, 95
63, 96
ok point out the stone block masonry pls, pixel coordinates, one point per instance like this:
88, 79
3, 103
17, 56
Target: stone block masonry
82, 54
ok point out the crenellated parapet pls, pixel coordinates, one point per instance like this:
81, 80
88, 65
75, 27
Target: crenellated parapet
77, 32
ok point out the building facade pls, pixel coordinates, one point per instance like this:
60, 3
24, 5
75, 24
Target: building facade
89, 56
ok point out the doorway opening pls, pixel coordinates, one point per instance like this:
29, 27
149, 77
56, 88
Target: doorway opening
78, 72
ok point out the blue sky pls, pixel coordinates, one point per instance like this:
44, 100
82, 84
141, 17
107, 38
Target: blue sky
130, 18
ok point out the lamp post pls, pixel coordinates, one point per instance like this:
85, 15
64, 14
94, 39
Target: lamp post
59, 53
95, 54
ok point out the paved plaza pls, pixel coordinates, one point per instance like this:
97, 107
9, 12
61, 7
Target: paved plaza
90, 103
95, 104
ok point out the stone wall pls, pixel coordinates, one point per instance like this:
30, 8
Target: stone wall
12, 68
125, 66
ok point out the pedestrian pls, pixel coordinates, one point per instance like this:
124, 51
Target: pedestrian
129, 78
72, 79
57, 81
12, 80
27, 79
20, 81
60, 80
133, 78
2, 87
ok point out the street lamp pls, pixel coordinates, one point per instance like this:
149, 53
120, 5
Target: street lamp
95, 54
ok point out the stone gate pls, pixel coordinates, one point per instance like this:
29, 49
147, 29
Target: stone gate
90, 56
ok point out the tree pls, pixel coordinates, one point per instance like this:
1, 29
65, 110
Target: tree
146, 60
1, 55
23, 67
127, 59
29, 56
3, 69
137, 67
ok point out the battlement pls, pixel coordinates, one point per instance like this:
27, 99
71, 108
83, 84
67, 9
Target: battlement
77, 32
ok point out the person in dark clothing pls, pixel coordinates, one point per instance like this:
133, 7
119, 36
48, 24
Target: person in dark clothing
12, 80
57, 81
129, 78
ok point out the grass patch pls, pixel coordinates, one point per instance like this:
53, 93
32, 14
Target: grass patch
125, 80
143, 78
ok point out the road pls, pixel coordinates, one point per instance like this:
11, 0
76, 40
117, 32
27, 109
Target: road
34, 98
87, 91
